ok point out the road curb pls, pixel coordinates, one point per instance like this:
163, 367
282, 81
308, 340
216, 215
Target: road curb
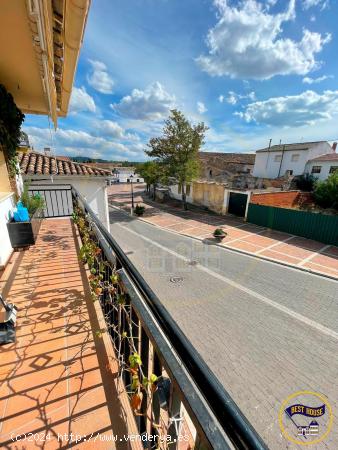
243, 252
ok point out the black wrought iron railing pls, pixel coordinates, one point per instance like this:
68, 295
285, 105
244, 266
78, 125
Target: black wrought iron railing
188, 401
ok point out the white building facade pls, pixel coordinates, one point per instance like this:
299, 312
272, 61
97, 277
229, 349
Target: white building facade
289, 159
126, 175
322, 166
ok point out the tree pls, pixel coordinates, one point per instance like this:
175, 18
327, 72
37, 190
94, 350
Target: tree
177, 150
306, 182
152, 172
326, 192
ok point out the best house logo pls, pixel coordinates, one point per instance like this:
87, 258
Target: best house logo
305, 418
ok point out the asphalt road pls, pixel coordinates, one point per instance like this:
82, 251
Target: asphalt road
265, 330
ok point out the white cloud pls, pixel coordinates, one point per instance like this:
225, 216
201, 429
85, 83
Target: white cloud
99, 79
309, 80
153, 103
201, 107
234, 98
323, 4
108, 128
221, 98
306, 108
248, 42
78, 142
80, 101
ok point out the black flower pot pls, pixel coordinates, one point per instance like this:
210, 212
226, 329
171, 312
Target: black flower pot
23, 234
219, 237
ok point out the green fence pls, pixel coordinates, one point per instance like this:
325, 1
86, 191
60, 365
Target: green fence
320, 227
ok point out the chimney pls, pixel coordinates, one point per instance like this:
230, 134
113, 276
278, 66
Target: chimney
334, 146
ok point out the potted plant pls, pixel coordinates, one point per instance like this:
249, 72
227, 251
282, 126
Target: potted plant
23, 234
219, 234
139, 210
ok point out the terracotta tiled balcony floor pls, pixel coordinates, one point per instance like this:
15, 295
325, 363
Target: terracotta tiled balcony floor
58, 378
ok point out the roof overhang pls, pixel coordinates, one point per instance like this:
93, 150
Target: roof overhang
41, 41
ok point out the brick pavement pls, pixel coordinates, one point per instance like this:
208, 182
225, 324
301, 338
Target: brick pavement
249, 238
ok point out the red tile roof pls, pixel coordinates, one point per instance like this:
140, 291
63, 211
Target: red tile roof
327, 157
37, 164
238, 158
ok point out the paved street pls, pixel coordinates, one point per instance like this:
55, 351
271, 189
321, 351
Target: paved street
265, 330
270, 244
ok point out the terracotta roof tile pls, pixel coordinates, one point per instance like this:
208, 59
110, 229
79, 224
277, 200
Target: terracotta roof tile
34, 163
326, 157
238, 158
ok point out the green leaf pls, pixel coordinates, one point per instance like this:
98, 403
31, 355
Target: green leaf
135, 360
153, 378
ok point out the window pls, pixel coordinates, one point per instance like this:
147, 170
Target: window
295, 157
210, 173
333, 169
316, 169
288, 172
180, 188
188, 189
128, 181
278, 158
138, 180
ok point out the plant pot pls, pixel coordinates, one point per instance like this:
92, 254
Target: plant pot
23, 234
219, 237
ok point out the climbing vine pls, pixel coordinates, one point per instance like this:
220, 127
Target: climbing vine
11, 119
106, 286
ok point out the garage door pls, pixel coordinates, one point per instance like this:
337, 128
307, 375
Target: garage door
237, 204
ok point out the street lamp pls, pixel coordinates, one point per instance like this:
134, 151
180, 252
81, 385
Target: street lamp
132, 193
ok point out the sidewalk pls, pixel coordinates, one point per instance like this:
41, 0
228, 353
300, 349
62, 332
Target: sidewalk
273, 245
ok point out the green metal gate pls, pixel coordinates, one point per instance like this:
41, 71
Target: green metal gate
237, 204
320, 227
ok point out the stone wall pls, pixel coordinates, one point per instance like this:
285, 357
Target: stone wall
210, 195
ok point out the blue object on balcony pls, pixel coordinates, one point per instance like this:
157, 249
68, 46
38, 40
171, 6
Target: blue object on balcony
21, 213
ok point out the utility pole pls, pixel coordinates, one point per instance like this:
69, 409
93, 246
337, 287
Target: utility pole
267, 159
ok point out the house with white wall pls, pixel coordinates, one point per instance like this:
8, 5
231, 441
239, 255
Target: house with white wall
126, 175
47, 173
322, 166
288, 159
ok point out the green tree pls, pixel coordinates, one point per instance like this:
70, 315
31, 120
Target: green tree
326, 192
152, 173
306, 182
177, 150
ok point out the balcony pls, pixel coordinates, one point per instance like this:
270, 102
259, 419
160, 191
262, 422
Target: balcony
98, 362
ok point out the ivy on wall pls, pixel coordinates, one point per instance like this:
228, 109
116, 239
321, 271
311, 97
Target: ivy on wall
11, 119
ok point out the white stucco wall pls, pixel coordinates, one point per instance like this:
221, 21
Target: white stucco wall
93, 189
173, 190
267, 167
7, 204
325, 168
122, 176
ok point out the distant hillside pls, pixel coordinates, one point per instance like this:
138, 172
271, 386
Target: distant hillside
85, 159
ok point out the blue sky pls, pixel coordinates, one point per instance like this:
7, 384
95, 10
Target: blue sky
251, 70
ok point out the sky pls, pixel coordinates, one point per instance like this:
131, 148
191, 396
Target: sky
251, 70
